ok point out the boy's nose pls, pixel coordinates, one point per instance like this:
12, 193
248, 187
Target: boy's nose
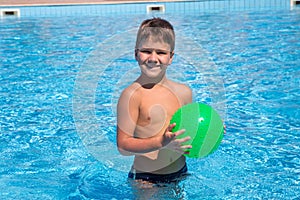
153, 56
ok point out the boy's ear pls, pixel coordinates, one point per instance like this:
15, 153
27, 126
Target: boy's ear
135, 54
172, 54
171, 57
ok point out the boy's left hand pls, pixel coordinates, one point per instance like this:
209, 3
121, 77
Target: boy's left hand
174, 143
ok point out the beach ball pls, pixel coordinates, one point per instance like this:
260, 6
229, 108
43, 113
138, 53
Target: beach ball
203, 124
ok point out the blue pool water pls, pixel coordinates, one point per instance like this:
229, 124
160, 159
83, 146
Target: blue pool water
60, 79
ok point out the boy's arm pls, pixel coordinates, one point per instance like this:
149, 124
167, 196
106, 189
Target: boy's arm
127, 113
128, 145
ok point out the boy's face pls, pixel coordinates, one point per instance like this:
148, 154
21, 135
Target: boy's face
153, 57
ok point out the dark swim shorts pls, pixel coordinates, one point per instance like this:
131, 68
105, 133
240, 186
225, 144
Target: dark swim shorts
159, 178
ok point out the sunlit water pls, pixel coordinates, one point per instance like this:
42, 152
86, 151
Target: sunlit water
246, 64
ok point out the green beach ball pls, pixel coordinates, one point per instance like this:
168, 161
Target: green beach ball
203, 124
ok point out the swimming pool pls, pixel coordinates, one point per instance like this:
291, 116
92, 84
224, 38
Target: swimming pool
61, 76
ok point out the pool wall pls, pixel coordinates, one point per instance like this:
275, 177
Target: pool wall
141, 8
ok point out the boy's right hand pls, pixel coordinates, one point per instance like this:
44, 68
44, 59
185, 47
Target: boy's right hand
170, 140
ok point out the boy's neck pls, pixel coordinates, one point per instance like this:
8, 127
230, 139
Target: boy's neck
149, 83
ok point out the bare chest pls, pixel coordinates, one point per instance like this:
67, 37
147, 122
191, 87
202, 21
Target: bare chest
155, 111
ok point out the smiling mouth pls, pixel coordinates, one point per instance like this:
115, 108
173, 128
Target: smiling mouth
150, 66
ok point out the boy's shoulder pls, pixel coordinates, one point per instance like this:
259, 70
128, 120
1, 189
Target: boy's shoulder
131, 89
178, 85
183, 91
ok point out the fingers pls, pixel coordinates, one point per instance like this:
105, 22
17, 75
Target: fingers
185, 147
171, 126
183, 140
180, 132
177, 144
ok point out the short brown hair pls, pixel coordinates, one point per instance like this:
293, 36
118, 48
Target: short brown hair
159, 28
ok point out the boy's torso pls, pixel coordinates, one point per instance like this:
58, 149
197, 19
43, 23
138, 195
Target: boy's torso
157, 105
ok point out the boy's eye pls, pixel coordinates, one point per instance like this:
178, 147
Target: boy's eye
146, 51
159, 52
149, 51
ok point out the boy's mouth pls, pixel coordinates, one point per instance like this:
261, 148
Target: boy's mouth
151, 66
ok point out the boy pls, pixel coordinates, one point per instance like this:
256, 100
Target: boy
147, 105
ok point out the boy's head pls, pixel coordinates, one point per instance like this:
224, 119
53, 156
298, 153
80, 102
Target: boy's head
157, 30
